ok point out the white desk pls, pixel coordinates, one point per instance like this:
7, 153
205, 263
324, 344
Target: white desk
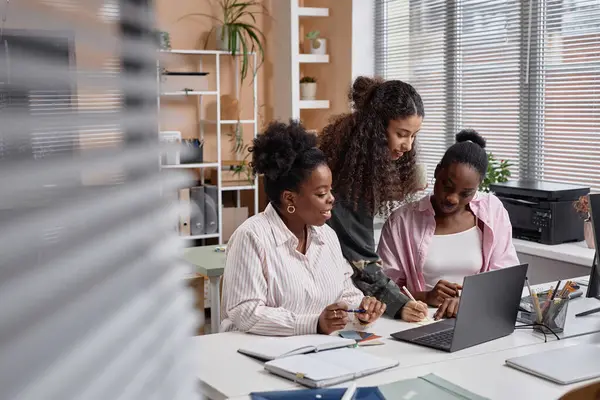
225, 373
486, 374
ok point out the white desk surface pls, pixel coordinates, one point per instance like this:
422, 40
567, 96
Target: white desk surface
225, 373
486, 374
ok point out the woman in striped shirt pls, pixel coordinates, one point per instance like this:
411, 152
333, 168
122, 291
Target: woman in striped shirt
285, 273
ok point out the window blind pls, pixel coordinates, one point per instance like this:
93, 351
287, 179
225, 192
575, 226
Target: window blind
411, 46
524, 74
92, 293
570, 98
487, 70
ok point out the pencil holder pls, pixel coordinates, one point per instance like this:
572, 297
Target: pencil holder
554, 316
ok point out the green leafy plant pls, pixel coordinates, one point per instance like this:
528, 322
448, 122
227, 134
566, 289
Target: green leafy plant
497, 172
308, 79
313, 36
238, 22
164, 40
236, 137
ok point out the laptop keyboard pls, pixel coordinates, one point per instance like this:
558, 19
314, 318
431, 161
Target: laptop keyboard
441, 339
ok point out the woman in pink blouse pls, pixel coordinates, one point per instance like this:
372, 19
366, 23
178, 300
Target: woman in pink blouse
431, 245
285, 273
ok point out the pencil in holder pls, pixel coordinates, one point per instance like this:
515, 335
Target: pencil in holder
554, 315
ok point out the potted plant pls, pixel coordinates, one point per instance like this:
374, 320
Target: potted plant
236, 30
582, 206
308, 88
317, 45
497, 172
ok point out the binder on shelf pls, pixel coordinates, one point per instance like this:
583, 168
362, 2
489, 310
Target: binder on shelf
197, 218
185, 213
211, 221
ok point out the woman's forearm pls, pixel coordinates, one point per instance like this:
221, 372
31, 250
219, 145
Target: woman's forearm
421, 296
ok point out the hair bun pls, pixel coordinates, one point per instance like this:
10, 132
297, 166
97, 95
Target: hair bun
275, 151
362, 88
470, 135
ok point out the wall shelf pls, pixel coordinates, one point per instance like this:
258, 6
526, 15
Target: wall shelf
232, 121
219, 163
190, 166
190, 93
314, 104
233, 188
196, 237
201, 52
313, 12
313, 58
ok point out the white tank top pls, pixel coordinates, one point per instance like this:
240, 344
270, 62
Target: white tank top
452, 257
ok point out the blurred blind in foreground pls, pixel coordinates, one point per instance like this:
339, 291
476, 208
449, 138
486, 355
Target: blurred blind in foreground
92, 304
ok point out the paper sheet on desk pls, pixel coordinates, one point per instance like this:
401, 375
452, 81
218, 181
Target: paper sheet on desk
426, 321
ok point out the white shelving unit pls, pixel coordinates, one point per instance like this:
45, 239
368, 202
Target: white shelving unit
314, 104
287, 14
313, 58
218, 122
313, 12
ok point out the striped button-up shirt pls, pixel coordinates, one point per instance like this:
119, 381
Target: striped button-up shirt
270, 288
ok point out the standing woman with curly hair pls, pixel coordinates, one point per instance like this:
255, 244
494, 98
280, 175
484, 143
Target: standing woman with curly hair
372, 158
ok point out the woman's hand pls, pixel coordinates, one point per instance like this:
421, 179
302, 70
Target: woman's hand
441, 291
333, 318
414, 311
373, 310
447, 309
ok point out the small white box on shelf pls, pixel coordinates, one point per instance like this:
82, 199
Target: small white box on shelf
171, 154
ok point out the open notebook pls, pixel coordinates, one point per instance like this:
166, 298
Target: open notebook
278, 347
329, 367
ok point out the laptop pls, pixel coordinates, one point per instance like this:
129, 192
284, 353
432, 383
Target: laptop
488, 310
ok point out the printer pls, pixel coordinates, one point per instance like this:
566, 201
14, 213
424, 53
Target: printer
542, 211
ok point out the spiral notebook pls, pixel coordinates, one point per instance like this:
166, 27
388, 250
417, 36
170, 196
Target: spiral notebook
278, 347
328, 368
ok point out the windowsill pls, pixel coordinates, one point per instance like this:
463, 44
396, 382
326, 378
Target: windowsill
574, 253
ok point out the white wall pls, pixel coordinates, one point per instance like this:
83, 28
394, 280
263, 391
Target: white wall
363, 38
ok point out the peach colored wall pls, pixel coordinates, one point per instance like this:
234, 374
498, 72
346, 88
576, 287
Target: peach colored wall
334, 78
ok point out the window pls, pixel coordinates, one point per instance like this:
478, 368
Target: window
526, 75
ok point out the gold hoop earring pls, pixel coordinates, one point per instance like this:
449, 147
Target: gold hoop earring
291, 209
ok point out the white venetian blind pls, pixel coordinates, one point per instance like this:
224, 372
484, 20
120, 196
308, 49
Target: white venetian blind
92, 300
487, 64
411, 42
525, 74
570, 97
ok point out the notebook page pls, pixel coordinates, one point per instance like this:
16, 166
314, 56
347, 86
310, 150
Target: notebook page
353, 360
309, 367
275, 347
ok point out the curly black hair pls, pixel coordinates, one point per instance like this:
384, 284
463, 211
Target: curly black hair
286, 155
356, 145
469, 149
